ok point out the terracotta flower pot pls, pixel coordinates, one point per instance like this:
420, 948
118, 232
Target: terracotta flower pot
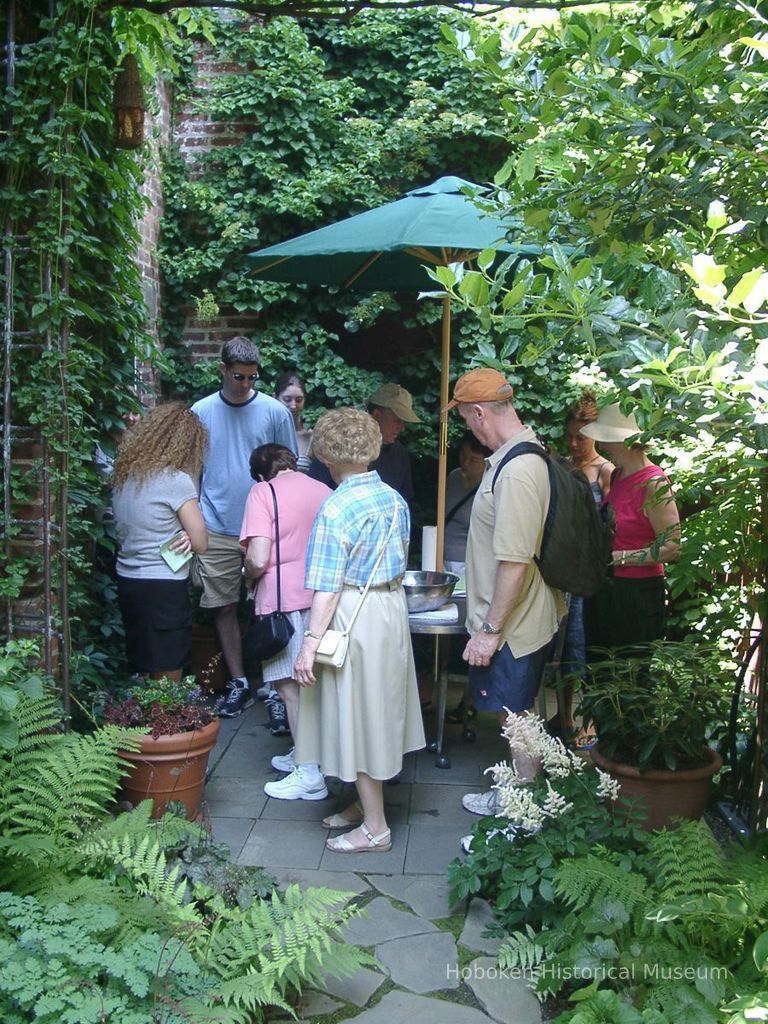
171, 768
660, 794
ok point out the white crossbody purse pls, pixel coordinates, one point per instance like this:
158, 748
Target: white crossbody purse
334, 643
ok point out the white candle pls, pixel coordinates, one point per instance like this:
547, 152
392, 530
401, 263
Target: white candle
428, 548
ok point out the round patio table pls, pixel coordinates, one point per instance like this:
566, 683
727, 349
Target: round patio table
420, 626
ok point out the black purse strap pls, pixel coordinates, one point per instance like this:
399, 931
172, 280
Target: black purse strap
277, 543
470, 494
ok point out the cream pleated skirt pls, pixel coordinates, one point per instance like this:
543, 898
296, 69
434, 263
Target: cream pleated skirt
366, 715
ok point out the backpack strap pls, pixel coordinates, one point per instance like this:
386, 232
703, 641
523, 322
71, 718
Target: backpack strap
524, 448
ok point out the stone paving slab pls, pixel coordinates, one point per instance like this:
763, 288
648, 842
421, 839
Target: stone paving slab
356, 989
288, 844
317, 1004
384, 922
310, 811
232, 831
398, 1007
421, 963
235, 797
431, 848
389, 863
434, 804
426, 895
343, 881
506, 1000
479, 917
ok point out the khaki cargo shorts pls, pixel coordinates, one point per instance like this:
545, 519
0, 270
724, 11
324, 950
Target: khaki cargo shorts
218, 571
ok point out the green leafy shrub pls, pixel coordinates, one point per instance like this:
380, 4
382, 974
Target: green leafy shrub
658, 705
106, 919
667, 937
565, 811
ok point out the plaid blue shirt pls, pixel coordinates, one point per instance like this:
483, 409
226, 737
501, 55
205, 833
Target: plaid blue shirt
349, 530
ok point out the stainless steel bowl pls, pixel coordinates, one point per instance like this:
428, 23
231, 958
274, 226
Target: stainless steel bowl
427, 591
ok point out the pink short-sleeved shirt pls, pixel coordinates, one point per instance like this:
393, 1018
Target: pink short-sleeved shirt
298, 499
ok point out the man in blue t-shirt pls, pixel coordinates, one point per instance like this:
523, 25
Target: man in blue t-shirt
238, 419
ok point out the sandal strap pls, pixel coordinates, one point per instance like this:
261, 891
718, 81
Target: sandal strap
372, 839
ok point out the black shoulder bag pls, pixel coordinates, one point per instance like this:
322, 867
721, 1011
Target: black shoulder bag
267, 635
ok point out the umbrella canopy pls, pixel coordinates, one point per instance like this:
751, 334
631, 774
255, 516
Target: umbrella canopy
386, 249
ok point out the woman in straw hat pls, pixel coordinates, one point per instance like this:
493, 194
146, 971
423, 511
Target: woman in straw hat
647, 536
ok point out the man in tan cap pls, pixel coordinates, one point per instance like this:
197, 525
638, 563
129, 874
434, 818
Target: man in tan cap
511, 612
392, 408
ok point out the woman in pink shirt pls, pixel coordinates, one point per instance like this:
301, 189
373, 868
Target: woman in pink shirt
298, 498
631, 611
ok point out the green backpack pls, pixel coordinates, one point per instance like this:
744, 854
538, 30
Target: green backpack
578, 537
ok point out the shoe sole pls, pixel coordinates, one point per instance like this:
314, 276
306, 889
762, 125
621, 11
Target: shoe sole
235, 714
282, 731
319, 795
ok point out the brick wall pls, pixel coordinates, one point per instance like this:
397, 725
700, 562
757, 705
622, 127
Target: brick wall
196, 134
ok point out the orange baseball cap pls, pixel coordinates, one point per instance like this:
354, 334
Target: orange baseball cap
484, 385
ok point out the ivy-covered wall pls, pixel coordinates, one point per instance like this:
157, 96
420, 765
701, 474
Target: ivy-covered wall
293, 126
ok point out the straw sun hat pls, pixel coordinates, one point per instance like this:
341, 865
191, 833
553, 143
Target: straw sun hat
611, 425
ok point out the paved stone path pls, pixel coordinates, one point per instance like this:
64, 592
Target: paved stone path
434, 963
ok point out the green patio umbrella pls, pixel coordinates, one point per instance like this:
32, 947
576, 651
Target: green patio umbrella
386, 249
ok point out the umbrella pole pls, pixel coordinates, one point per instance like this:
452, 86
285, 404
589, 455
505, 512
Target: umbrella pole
442, 464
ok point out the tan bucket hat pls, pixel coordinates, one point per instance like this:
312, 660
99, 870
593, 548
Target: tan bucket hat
611, 425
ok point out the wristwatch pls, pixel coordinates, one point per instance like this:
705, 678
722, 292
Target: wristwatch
486, 627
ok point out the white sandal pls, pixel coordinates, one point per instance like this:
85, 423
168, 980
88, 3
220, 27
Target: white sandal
339, 821
376, 844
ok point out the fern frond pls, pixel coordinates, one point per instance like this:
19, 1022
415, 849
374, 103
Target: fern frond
286, 942
521, 951
58, 789
585, 881
689, 862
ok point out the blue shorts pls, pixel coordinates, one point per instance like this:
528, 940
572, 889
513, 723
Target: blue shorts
508, 682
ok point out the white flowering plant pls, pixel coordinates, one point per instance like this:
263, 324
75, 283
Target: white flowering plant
551, 805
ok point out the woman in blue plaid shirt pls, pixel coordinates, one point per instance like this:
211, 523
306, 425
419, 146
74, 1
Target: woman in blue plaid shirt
359, 720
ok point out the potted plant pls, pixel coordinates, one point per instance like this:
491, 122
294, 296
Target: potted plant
172, 760
654, 710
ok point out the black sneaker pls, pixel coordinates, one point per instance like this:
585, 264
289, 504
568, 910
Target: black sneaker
237, 698
278, 717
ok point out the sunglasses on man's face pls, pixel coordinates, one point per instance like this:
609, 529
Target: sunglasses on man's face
239, 377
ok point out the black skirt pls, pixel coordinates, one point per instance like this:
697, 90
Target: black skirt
626, 612
158, 623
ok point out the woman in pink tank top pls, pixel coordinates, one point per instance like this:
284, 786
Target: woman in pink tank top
631, 611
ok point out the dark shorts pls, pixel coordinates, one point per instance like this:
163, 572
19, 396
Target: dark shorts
158, 623
508, 682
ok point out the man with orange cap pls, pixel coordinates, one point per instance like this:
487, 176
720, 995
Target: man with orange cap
511, 612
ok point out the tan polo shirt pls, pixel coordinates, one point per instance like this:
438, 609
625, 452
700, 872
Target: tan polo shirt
507, 526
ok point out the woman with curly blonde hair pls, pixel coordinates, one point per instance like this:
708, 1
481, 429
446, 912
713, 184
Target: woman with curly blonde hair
155, 500
360, 719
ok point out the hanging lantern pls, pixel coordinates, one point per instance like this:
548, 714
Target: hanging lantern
129, 105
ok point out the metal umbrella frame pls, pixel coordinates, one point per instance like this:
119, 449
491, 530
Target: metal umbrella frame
388, 249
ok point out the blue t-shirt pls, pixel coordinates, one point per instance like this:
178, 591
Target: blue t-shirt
233, 432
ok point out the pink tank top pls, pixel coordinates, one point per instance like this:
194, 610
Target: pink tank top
633, 527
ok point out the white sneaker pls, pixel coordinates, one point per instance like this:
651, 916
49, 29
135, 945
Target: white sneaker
299, 785
484, 804
284, 762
